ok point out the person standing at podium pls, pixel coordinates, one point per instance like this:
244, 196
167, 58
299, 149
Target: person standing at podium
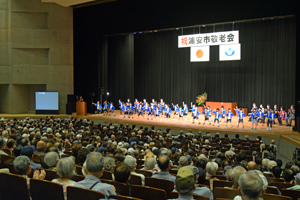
98, 106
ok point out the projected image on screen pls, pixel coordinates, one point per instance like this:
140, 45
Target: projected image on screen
46, 100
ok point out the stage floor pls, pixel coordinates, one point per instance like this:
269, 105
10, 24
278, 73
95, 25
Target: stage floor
277, 131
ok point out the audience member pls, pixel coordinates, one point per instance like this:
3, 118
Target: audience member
131, 162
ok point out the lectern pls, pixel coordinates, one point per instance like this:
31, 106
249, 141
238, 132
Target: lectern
81, 108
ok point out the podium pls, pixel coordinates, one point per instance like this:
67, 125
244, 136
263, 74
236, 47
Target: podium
81, 108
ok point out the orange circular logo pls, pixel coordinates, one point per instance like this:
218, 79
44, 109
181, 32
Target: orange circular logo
199, 53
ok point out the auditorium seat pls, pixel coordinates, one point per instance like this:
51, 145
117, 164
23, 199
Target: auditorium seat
206, 182
6, 160
36, 158
140, 162
271, 190
227, 193
294, 194
121, 188
267, 175
275, 197
144, 172
201, 185
222, 183
221, 177
75, 193
50, 175
12, 168
174, 195
173, 171
79, 170
46, 190
7, 151
107, 175
222, 199
120, 197
147, 193
166, 185
272, 179
77, 178
281, 185
135, 180
219, 173
14, 187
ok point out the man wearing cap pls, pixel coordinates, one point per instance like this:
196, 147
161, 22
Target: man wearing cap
95, 169
131, 162
185, 183
297, 180
204, 191
28, 151
164, 165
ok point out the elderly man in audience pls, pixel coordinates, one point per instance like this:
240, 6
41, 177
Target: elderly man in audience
65, 170
183, 161
237, 171
203, 191
95, 168
41, 148
185, 183
251, 165
165, 166
131, 162
51, 159
250, 186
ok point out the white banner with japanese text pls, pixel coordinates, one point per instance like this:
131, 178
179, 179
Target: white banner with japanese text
207, 39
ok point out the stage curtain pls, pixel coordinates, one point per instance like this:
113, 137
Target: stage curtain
265, 74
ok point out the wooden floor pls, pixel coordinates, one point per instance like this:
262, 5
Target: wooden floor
283, 131
277, 130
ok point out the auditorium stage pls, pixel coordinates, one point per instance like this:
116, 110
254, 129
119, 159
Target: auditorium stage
276, 132
282, 132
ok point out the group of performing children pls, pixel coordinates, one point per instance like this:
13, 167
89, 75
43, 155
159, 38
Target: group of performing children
156, 110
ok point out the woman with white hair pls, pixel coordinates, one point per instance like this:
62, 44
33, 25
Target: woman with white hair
66, 170
211, 168
51, 159
150, 165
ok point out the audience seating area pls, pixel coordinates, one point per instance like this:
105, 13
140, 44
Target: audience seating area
211, 148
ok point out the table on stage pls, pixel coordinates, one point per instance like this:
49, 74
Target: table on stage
215, 105
81, 108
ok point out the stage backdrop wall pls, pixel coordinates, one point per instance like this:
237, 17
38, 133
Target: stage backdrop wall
265, 73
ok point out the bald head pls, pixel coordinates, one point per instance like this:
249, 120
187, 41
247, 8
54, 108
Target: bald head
163, 163
41, 145
251, 165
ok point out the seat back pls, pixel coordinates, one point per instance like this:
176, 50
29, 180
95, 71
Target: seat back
281, 185
144, 172
221, 177
14, 187
147, 193
121, 197
79, 170
46, 190
174, 195
121, 188
77, 178
107, 175
36, 158
227, 193
6, 160
173, 171
166, 185
7, 151
275, 197
135, 180
271, 190
295, 194
50, 175
222, 183
272, 179
75, 193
